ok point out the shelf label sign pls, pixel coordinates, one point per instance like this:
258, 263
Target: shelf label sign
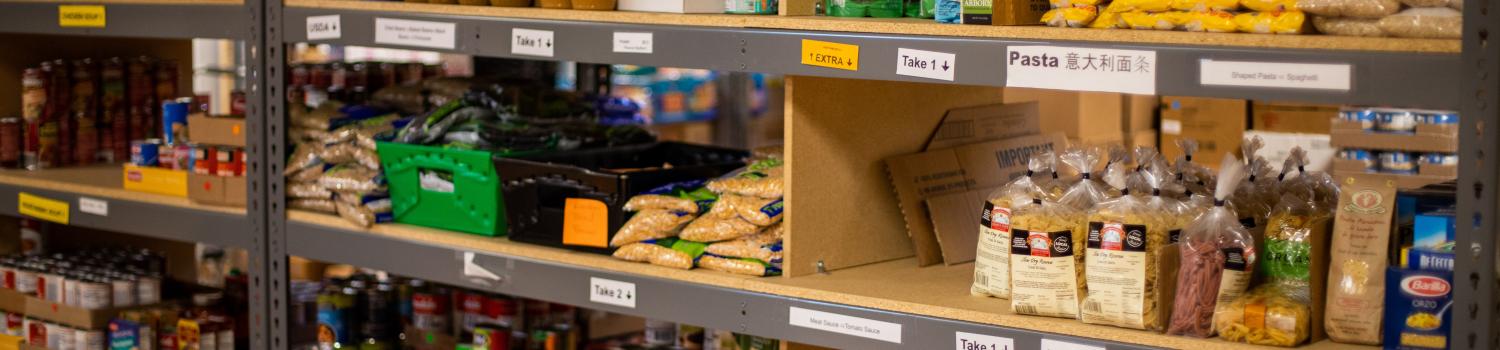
844, 324
612, 292
98, 207
80, 16
585, 222
323, 27
42, 208
531, 42
971, 341
633, 42
830, 55
437, 35
926, 64
1313, 76
1081, 69
1049, 344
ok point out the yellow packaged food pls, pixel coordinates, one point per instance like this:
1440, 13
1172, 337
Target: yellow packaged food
1269, 5
1107, 20
1057, 4
1046, 260
1122, 6
1285, 22
1075, 17
1210, 21
1205, 5
1270, 314
1278, 312
1123, 238
1156, 21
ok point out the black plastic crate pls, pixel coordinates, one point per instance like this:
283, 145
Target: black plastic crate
536, 188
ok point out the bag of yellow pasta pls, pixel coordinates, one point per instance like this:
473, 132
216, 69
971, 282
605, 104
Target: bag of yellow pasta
1212, 21
1123, 236
1205, 5
1284, 22
1107, 20
1046, 260
1122, 6
1272, 314
1269, 5
1279, 311
1153, 21
992, 258
1071, 16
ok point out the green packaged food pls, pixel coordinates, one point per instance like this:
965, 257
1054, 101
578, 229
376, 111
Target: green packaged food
865, 8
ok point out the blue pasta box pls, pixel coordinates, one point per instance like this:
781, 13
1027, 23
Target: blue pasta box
1417, 305
1432, 229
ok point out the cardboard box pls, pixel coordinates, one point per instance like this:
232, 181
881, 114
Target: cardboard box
1141, 138
969, 125
217, 190
155, 180
1087, 117
672, 6
12, 301
71, 316
1217, 124
1320, 152
954, 218
1426, 174
1292, 117
1427, 138
217, 130
1140, 113
1017, 12
919, 177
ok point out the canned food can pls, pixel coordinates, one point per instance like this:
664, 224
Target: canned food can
1439, 117
1395, 120
1363, 156
183, 155
71, 290
122, 291
226, 161
205, 159
1364, 116
49, 286
15, 324
94, 293
59, 336
174, 119
145, 152
147, 290
1397, 163
36, 331
11, 144
166, 156
1438, 159
25, 280
88, 340
8, 275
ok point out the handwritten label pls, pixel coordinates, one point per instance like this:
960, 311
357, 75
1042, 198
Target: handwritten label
42, 208
437, 35
323, 27
830, 55
633, 42
612, 292
1049, 344
843, 324
98, 207
1081, 69
585, 222
531, 42
971, 341
1275, 75
926, 64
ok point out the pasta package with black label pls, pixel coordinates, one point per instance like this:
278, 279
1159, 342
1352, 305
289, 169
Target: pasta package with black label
992, 258
1123, 236
1046, 260
1217, 254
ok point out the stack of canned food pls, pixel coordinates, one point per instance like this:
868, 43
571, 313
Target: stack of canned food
89, 279
174, 151
1396, 121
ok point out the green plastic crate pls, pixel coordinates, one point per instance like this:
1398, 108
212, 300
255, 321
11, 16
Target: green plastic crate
471, 204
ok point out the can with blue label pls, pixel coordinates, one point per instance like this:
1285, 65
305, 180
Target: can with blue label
174, 120
1364, 116
1438, 159
1395, 120
1438, 117
1360, 155
145, 152
1397, 163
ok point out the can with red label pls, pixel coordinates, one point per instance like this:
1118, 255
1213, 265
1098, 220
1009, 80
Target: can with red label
205, 159
226, 161
15, 324
429, 310
237, 102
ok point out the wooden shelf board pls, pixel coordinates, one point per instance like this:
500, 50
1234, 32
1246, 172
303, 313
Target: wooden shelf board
135, 2
103, 181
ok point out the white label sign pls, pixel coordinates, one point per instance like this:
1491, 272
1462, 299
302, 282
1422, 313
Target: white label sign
1171, 127
1275, 75
612, 292
323, 27
437, 35
971, 341
1081, 69
842, 324
1049, 344
633, 42
531, 42
93, 206
926, 64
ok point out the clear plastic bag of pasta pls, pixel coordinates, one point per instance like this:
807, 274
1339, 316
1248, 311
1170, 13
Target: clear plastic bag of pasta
992, 256
1046, 259
650, 224
765, 246
760, 179
1087, 191
1217, 256
740, 266
1192, 177
669, 252
1122, 238
1274, 314
1117, 168
1430, 23
1348, 26
1350, 8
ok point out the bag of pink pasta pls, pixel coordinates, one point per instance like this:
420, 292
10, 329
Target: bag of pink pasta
1217, 257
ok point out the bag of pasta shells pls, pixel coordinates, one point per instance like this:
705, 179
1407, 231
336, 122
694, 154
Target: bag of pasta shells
1217, 257
992, 258
1046, 261
1088, 191
1123, 235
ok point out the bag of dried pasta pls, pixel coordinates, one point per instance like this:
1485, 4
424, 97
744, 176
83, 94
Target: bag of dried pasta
1217, 255
1279, 311
669, 252
1193, 177
1123, 235
1087, 191
765, 246
661, 212
992, 258
1046, 261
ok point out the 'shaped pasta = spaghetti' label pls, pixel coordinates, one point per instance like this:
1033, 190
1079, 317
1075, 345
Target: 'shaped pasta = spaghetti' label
1116, 274
992, 263
1044, 273
1357, 260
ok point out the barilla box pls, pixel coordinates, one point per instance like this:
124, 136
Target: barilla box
1418, 301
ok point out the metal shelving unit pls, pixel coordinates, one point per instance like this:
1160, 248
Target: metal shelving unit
184, 20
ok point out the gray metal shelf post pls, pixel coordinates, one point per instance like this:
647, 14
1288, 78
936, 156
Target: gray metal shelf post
1476, 305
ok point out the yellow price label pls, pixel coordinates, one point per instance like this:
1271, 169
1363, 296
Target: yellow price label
829, 54
88, 16
43, 208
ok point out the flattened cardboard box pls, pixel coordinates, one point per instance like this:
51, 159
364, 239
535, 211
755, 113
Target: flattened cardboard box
955, 222
921, 176
969, 125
